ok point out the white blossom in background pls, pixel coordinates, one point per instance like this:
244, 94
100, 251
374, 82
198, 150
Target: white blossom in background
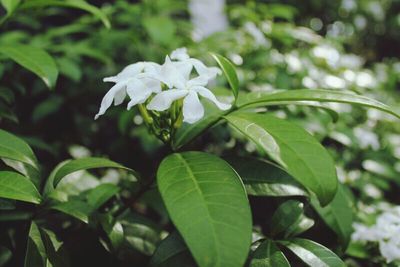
142, 80
208, 17
385, 232
257, 34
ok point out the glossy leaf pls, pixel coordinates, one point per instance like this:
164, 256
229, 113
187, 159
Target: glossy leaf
12, 147
15, 186
268, 254
35, 251
302, 224
292, 147
230, 73
313, 254
71, 166
75, 208
286, 215
293, 96
338, 215
42, 249
264, 178
172, 252
207, 202
34, 59
78, 4
141, 236
101, 194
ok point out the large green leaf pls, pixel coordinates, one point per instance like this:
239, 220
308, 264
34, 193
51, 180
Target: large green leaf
78, 4
207, 202
294, 96
172, 252
292, 147
268, 254
313, 254
12, 147
15, 186
230, 73
70, 166
34, 59
264, 178
338, 215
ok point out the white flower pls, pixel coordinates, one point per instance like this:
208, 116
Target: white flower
386, 232
141, 80
177, 77
183, 59
134, 81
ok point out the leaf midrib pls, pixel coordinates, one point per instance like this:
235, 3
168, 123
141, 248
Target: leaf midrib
191, 175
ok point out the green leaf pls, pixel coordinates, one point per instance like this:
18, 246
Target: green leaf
268, 254
264, 178
141, 236
47, 107
294, 96
294, 148
230, 73
42, 249
71, 166
34, 59
301, 225
78, 4
15, 186
75, 208
188, 132
35, 251
338, 215
99, 195
286, 215
207, 202
12, 147
5, 255
313, 254
172, 252
10, 5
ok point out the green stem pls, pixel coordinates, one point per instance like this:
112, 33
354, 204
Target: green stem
146, 116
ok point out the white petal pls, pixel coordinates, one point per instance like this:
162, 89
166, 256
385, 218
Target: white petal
201, 80
193, 110
180, 54
210, 72
153, 85
184, 68
119, 97
169, 74
138, 92
129, 71
163, 100
204, 92
109, 97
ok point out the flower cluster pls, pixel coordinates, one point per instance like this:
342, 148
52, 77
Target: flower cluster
386, 231
181, 80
